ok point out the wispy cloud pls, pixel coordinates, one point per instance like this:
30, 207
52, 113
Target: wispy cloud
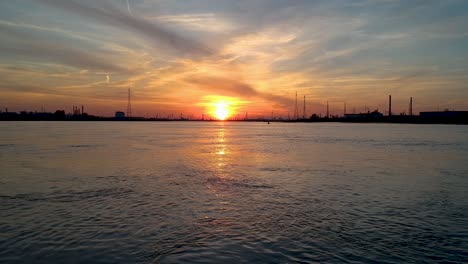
128, 7
35, 42
228, 87
52, 52
109, 14
200, 22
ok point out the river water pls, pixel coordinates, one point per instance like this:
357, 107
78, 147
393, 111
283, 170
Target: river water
232, 192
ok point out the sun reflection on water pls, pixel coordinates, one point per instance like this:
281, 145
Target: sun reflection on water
221, 149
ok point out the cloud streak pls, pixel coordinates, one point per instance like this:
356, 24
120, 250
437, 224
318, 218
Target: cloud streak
228, 87
128, 8
113, 16
20, 45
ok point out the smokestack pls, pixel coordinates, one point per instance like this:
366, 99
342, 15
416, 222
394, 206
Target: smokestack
389, 105
82, 109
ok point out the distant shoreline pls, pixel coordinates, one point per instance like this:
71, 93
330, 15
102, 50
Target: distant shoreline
438, 117
415, 121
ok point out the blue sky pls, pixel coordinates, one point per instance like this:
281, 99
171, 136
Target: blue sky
179, 56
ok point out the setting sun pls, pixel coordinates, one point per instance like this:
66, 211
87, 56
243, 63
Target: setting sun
221, 110
222, 107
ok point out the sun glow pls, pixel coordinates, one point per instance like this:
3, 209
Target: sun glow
222, 107
221, 110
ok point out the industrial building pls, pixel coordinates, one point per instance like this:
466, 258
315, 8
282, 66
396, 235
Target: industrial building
119, 114
374, 114
444, 114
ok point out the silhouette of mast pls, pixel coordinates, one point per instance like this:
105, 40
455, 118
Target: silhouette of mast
296, 110
304, 110
328, 111
411, 106
389, 105
129, 105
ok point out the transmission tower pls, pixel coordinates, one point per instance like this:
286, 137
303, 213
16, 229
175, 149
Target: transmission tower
129, 105
296, 110
304, 110
411, 106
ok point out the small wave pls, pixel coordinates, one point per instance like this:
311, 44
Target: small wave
83, 146
71, 196
276, 169
238, 183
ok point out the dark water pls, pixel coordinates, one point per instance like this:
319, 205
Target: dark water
232, 193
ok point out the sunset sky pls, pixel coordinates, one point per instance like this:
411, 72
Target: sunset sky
184, 56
